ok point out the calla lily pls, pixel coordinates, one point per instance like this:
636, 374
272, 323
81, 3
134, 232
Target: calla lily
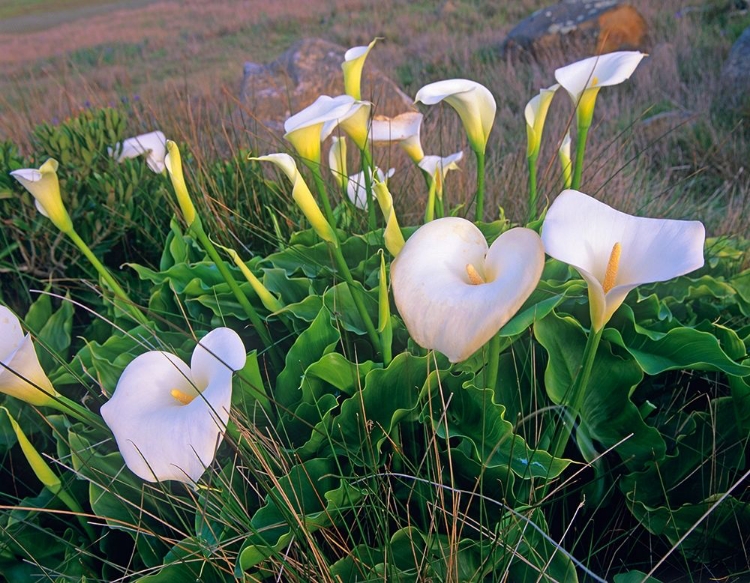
454, 293
309, 127
565, 163
337, 161
536, 114
436, 167
45, 188
168, 418
615, 252
173, 163
302, 195
474, 103
354, 61
355, 188
153, 144
394, 240
21, 374
404, 129
583, 79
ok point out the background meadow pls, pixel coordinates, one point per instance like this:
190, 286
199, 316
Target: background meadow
290, 498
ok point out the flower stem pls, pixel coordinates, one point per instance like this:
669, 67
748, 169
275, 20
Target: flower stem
575, 398
368, 170
493, 362
255, 319
358, 300
480, 185
532, 187
583, 132
70, 407
429, 211
320, 185
107, 277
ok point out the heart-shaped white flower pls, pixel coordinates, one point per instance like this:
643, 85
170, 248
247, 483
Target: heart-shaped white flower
454, 293
168, 419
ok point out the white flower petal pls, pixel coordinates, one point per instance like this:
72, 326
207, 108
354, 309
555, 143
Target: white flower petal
153, 144
161, 438
600, 71
323, 109
581, 231
402, 127
218, 354
441, 308
474, 103
434, 164
24, 373
356, 187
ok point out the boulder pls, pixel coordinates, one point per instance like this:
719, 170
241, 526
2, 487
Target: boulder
736, 72
588, 27
272, 92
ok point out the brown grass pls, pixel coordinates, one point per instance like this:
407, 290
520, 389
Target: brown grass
184, 61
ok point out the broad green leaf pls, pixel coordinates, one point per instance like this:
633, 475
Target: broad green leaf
308, 498
610, 415
459, 409
319, 339
680, 348
368, 417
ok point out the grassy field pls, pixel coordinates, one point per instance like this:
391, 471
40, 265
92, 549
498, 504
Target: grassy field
183, 62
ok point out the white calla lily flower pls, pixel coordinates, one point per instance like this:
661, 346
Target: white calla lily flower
615, 252
474, 103
536, 114
404, 129
337, 161
454, 293
302, 195
153, 144
356, 187
169, 418
45, 188
354, 61
311, 126
21, 374
583, 79
437, 167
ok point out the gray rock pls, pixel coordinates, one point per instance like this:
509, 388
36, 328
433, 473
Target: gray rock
587, 27
272, 92
736, 72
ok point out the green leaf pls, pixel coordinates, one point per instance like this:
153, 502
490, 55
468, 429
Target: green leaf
305, 500
458, 409
319, 339
680, 348
610, 415
368, 417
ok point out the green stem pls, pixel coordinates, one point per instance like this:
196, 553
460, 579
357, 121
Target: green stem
367, 168
70, 407
255, 319
358, 300
532, 187
583, 131
439, 208
107, 277
574, 399
429, 211
480, 185
493, 362
320, 185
